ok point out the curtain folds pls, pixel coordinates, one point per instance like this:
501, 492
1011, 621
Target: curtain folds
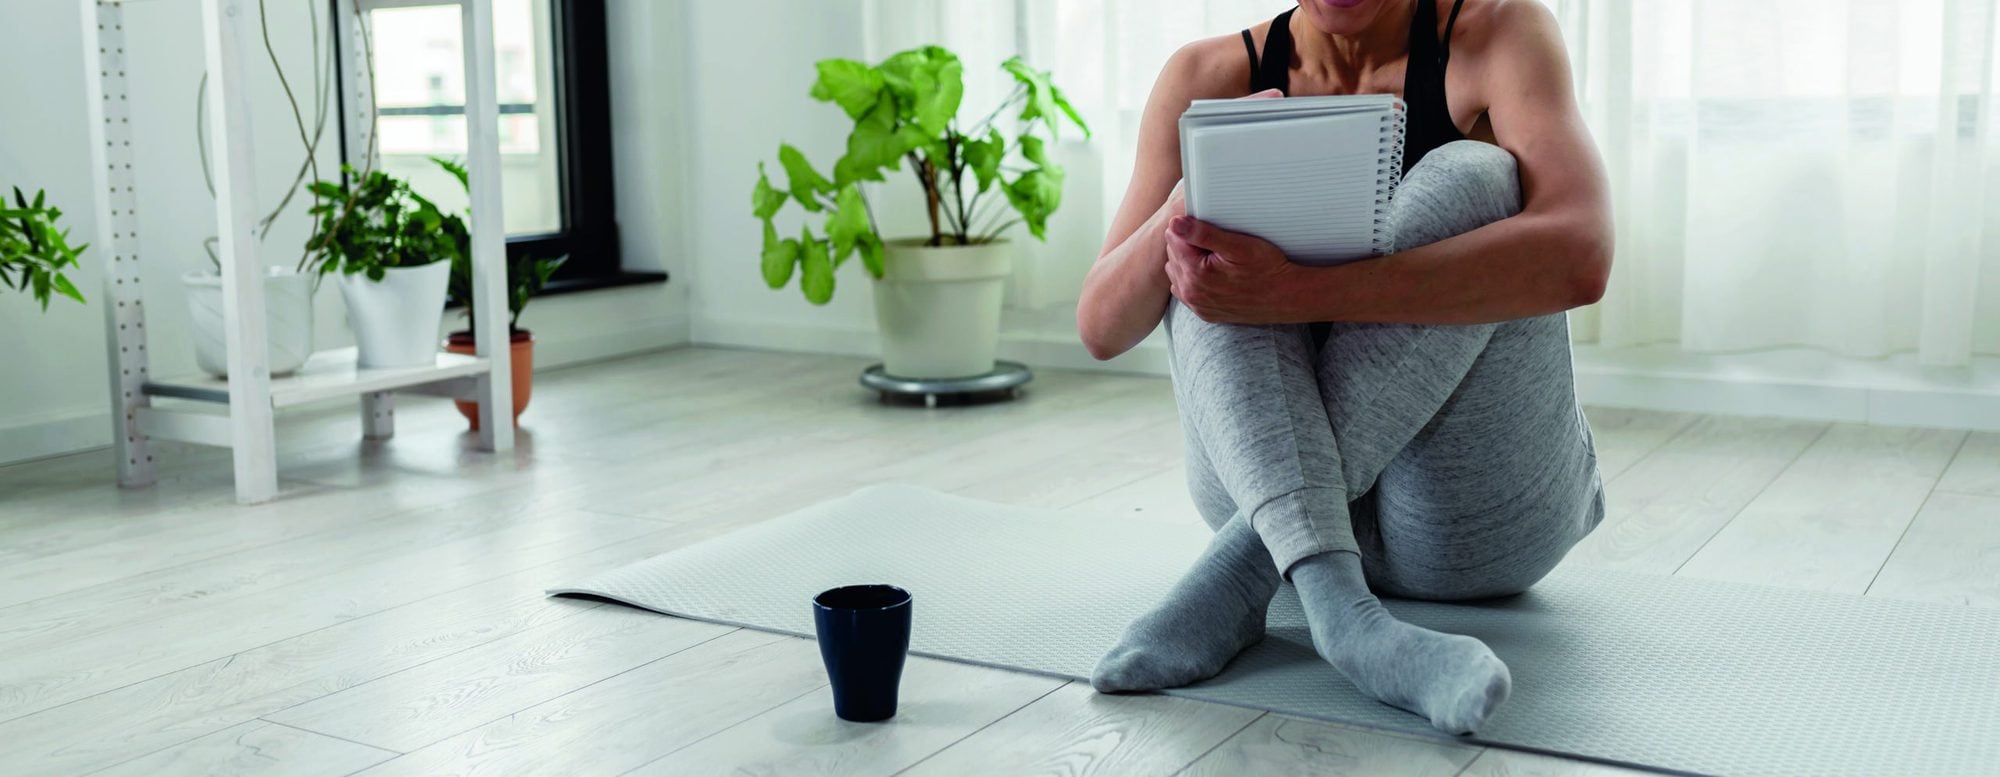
1786, 173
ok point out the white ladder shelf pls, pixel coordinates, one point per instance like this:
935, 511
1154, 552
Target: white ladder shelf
250, 395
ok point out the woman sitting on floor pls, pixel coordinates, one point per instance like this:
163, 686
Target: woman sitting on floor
1406, 425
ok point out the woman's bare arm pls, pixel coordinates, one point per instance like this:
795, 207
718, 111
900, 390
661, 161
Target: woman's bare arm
1554, 256
1126, 291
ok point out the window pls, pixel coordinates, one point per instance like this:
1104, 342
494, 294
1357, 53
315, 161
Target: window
555, 133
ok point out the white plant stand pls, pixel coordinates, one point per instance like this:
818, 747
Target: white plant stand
239, 412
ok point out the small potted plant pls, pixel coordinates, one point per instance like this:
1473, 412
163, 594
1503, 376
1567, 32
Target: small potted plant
526, 275
937, 297
392, 249
34, 252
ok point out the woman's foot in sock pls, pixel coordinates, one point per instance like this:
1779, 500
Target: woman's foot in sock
1213, 613
1453, 680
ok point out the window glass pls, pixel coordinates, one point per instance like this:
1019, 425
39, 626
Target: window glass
420, 91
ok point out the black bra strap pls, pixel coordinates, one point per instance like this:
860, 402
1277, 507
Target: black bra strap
1276, 68
1250, 46
1444, 50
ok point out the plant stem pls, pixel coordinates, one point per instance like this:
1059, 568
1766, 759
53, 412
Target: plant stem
1019, 92
368, 160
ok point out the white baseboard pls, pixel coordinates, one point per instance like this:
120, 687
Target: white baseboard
1789, 384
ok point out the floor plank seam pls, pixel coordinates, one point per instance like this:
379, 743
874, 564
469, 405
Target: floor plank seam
392, 752
1780, 473
1220, 742
988, 724
718, 732
1468, 764
1905, 534
1679, 432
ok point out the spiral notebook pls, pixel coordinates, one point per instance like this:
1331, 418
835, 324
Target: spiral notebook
1312, 175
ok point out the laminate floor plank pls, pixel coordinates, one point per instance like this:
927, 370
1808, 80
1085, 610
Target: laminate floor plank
1494, 762
111, 658
942, 702
1976, 469
1076, 731
253, 749
1624, 436
1951, 553
416, 707
1666, 506
1831, 518
161, 711
1276, 744
630, 719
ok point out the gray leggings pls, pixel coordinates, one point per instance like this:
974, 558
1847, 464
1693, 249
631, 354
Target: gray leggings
1453, 459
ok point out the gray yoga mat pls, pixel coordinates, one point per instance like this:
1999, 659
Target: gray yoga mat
1641, 670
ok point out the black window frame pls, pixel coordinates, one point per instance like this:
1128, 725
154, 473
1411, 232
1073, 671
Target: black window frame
584, 164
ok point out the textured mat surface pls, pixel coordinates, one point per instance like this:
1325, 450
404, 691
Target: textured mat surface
1653, 671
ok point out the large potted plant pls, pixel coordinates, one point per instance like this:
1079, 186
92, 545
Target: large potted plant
34, 252
392, 249
288, 291
526, 275
938, 296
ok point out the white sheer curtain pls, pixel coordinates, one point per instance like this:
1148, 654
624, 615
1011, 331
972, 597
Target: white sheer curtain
1778, 171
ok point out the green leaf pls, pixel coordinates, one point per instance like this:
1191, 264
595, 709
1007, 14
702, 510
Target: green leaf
1033, 151
873, 145
780, 256
1036, 195
847, 224
1061, 101
457, 171
815, 269
806, 183
849, 84
938, 96
871, 253
983, 156
1041, 102
765, 200
67, 289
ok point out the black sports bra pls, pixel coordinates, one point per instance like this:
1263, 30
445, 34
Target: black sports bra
1429, 118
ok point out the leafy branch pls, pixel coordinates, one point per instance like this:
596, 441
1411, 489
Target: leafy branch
33, 252
905, 110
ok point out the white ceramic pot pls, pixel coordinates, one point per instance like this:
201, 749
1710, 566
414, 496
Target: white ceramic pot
939, 308
395, 320
288, 313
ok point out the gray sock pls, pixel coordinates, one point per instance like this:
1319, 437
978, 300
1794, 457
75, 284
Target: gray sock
1454, 680
1213, 613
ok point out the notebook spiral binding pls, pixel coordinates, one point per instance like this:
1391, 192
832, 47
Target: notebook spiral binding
1388, 177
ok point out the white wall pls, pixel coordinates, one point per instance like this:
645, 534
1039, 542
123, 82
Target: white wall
53, 391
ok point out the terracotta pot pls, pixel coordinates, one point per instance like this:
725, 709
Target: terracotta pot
522, 346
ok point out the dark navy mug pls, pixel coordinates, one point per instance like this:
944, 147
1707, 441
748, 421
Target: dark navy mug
864, 635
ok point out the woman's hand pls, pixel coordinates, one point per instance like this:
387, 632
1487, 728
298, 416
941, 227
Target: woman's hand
1229, 277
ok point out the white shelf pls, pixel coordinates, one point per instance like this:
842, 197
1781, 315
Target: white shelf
251, 397
328, 375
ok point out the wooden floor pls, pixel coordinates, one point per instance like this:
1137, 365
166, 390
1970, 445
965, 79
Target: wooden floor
386, 615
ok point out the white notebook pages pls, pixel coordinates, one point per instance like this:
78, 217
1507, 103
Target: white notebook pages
1312, 175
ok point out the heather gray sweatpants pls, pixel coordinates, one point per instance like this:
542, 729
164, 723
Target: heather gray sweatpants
1453, 459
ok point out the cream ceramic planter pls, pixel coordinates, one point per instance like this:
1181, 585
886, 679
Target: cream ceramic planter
939, 307
395, 320
288, 312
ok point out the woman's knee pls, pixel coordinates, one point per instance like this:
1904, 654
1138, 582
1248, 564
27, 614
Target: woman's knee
1456, 188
